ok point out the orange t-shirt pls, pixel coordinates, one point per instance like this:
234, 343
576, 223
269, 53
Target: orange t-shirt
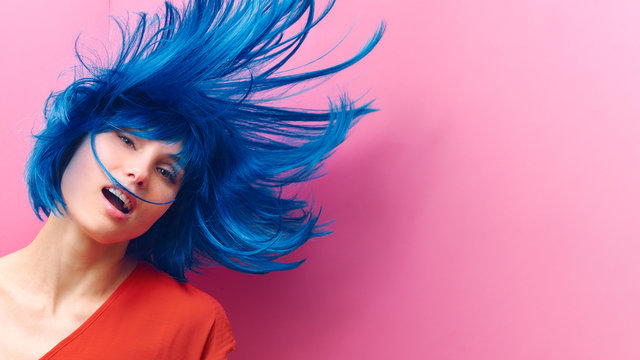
151, 316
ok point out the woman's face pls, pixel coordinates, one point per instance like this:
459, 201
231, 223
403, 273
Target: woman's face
145, 167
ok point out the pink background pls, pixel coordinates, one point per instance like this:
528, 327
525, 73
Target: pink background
488, 211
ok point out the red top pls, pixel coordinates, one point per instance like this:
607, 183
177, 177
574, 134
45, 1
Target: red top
151, 316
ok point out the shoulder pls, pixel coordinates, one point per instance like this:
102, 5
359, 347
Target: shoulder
153, 316
171, 312
165, 293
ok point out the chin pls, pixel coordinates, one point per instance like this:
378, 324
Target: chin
110, 240
110, 236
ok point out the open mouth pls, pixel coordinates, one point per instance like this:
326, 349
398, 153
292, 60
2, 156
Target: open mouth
118, 199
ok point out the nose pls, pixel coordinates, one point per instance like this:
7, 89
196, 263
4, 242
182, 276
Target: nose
137, 176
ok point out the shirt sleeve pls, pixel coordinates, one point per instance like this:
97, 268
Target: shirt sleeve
220, 341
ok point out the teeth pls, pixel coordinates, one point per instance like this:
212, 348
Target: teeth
122, 196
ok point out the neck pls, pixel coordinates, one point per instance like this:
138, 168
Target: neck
63, 263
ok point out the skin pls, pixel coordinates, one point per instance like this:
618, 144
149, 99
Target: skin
49, 288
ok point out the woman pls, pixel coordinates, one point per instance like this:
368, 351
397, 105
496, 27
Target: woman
171, 157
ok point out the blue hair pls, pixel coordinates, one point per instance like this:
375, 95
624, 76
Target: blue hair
205, 76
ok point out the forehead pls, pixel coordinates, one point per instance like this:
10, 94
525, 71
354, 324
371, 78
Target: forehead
148, 126
147, 136
169, 147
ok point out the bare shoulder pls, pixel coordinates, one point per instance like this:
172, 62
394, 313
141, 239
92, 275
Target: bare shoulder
9, 271
17, 332
6, 273
6, 261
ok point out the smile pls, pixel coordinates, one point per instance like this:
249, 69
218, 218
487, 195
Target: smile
122, 201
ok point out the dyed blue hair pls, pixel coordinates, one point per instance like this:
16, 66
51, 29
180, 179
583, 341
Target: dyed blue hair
205, 75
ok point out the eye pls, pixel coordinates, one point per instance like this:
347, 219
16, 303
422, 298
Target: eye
168, 174
126, 140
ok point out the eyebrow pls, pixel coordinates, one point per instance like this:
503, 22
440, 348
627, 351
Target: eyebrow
175, 158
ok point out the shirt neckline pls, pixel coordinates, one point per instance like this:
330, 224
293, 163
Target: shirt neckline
96, 314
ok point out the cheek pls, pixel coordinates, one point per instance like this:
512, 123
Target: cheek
149, 216
80, 172
109, 149
160, 210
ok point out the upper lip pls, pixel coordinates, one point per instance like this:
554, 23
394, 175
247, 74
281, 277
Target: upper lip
131, 198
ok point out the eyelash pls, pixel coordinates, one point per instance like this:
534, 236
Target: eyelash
168, 174
126, 140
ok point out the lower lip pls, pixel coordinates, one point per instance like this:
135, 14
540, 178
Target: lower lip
113, 211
